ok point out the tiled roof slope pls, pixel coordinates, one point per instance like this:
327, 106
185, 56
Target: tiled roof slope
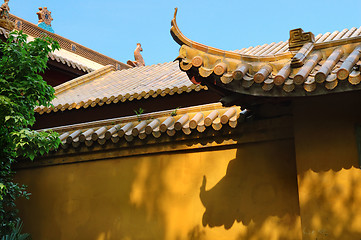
325, 64
107, 85
74, 60
282, 47
153, 125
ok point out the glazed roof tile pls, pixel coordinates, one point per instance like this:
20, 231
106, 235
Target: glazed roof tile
107, 85
282, 47
324, 64
153, 125
74, 60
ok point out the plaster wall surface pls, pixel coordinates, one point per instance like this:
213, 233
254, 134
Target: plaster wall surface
329, 177
247, 191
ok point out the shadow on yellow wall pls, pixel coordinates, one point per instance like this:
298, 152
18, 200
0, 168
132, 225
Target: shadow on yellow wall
165, 196
329, 177
260, 183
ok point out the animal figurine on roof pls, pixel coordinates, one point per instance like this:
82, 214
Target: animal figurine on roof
45, 19
4, 10
4, 16
44, 16
139, 61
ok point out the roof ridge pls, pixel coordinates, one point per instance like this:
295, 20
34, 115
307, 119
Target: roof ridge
148, 66
84, 79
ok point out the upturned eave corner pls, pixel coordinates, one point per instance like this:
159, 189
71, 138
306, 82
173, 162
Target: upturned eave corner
183, 40
304, 65
176, 33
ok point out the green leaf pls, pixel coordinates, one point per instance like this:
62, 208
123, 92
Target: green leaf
21, 90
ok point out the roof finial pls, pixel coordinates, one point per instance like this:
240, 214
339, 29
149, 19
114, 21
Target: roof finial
139, 61
298, 38
45, 19
4, 16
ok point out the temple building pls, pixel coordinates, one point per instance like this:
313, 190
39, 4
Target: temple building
258, 143
313, 84
71, 61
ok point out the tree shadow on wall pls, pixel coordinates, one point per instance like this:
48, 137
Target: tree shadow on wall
260, 182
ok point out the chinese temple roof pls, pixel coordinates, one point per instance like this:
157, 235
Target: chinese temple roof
304, 65
108, 85
193, 127
71, 53
65, 57
184, 120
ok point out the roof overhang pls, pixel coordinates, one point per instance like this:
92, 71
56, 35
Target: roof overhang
311, 66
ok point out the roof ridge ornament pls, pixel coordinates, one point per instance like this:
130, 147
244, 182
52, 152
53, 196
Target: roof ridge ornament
4, 16
45, 19
298, 38
139, 61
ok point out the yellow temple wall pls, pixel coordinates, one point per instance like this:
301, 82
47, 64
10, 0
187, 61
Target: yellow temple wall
329, 178
244, 191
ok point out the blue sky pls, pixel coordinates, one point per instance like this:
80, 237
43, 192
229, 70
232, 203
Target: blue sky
114, 27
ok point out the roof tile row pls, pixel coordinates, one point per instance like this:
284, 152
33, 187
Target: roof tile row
105, 86
184, 121
70, 63
321, 70
282, 47
303, 65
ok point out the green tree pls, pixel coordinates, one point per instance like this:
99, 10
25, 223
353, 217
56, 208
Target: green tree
21, 90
